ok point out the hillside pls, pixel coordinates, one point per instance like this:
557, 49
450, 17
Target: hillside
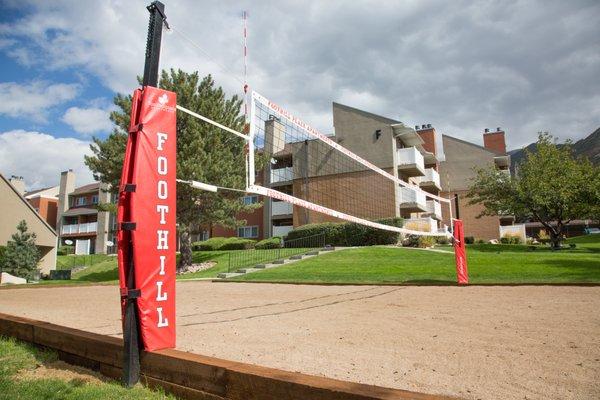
589, 147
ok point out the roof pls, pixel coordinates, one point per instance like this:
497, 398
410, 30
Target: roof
41, 192
497, 153
79, 211
33, 192
92, 187
46, 224
365, 113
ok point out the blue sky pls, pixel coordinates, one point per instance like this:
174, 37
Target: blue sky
462, 66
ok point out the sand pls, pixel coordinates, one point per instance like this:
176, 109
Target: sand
527, 342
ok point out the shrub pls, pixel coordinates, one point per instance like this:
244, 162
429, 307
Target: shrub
480, 241
209, 245
469, 240
426, 241
271, 243
510, 239
543, 236
234, 243
65, 249
442, 240
349, 234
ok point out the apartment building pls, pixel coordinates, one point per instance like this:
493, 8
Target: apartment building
79, 222
457, 172
14, 208
45, 202
435, 163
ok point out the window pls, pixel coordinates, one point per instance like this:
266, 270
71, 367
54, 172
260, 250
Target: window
95, 199
248, 231
250, 200
80, 201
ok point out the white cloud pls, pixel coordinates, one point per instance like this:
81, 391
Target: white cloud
34, 99
466, 64
40, 158
88, 120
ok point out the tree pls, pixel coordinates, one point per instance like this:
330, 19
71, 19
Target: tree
21, 256
204, 153
551, 187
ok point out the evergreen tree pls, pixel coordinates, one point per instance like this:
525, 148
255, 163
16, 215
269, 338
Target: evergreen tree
204, 153
21, 256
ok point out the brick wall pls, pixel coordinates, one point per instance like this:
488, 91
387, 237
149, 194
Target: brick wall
253, 218
495, 141
364, 194
480, 228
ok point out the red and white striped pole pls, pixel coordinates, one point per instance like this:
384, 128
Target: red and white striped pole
245, 19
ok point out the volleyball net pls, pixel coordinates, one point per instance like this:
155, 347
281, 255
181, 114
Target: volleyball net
316, 178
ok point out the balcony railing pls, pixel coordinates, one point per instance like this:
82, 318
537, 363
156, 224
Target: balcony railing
434, 208
430, 179
281, 208
282, 231
421, 224
410, 161
282, 174
412, 196
89, 227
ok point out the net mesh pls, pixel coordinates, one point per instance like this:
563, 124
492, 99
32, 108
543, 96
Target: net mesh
323, 179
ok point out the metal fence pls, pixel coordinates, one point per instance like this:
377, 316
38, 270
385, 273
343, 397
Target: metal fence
248, 258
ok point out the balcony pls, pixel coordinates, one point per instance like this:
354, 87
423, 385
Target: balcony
421, 224
412, 200
410, 162
279, 208
431, 180
434, 209
282, 174
89, 227
282, 231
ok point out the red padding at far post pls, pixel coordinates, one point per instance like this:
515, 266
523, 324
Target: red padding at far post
460, 253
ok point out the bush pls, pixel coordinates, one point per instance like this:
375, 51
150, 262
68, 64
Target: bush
426, 241
349, 234
221, 243
442, 240
271, 243
209, 245
510, 239
65, 249
469, 240
480, 241
234, 243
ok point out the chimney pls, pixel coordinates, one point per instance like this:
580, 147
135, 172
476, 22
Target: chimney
428, 134
67, 186
495, 141
18, 183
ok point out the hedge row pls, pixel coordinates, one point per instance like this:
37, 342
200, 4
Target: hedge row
271, 243
349, 234
221, 243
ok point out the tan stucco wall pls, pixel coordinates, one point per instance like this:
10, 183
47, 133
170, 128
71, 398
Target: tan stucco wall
13, 209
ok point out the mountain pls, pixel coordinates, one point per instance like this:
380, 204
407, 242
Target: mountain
589, 147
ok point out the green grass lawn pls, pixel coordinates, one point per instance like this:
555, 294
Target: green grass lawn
18, 360
103, 268
487, 264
